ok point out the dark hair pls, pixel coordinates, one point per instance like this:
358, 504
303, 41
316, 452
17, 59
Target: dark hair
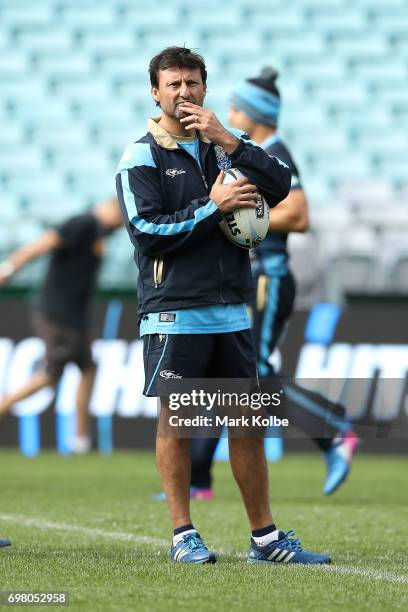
266, 80
175, 57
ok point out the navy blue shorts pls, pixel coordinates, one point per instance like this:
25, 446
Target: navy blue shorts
223, 355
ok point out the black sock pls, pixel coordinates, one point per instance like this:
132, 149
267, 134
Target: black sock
258, 533
183, 528
323, 443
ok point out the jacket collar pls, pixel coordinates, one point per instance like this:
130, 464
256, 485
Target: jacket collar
166, 140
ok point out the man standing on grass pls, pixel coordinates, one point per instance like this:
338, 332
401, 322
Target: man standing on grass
194, 284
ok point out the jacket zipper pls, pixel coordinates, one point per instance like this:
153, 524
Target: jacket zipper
198, 166
220, 265
158, 271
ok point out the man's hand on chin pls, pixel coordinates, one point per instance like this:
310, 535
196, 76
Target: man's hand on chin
207, 123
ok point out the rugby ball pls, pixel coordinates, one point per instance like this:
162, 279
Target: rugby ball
246, 227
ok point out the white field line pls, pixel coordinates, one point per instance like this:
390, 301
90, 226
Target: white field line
369, 574
89, 531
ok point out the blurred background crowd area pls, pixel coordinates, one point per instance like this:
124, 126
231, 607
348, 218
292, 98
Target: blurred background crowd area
75, 91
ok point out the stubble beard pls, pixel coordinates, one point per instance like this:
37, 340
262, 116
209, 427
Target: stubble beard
176, 113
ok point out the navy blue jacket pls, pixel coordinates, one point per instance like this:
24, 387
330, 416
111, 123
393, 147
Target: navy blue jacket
184, 259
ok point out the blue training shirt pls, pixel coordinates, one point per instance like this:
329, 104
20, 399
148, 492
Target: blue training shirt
272, 253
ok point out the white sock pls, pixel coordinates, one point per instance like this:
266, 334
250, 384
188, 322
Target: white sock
81, 445
179, 536
272, 536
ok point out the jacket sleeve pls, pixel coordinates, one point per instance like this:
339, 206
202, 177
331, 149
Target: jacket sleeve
271, 175
151, 229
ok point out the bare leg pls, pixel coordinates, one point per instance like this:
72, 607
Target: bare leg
37, 382
83, 398
250, 470
174, 465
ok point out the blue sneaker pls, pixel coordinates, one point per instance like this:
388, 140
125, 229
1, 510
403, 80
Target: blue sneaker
284, 550
339, 458
191, 549
159, 496
4, 543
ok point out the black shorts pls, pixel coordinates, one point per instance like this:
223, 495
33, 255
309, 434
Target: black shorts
63, 344
223, 355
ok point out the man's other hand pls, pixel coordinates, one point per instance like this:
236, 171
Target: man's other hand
238, 194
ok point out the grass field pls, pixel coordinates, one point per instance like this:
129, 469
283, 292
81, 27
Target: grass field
86, 525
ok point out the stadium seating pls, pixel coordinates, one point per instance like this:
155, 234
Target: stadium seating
75, 90
399, 274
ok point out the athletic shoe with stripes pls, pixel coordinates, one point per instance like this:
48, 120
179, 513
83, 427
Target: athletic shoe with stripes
191, 549
284, 550
339, 458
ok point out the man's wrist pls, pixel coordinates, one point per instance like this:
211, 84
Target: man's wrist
230, 143
7, 269
218, 216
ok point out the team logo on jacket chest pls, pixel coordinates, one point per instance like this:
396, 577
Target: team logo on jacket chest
173, 172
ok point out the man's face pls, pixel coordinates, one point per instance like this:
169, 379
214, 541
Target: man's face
239, 120
177, 85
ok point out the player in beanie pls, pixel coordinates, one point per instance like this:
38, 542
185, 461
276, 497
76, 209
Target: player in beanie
255, 108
